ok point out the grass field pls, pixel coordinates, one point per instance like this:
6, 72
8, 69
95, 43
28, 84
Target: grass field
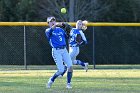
93, 81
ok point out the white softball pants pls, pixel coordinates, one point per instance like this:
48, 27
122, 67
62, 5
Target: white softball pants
73, 52
60, 56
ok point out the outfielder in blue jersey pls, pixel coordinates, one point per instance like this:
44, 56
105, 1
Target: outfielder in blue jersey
57, 39
74, 45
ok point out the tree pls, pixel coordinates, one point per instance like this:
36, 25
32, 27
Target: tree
117, 11
47, 8
17, 10
91, 10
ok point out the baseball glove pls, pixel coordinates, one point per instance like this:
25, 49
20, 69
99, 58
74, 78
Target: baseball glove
79, 39
65, 26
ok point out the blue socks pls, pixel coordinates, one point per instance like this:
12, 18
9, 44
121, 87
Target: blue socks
69, 76
54, 77
80, 63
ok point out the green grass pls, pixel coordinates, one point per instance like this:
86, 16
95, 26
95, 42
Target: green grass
93, 81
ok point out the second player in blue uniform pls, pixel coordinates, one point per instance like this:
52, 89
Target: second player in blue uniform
74, 44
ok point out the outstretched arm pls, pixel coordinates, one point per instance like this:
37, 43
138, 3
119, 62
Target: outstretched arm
65, 26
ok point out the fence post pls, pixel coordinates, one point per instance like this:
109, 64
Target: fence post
25, 63
94, 49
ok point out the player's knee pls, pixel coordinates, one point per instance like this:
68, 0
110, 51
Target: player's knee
65, 68
59, 72
70, 69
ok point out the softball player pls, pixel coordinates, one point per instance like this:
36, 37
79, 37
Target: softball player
74, 45
57, 39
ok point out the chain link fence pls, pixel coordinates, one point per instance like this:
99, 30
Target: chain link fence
117, 45
37, 48
106, 45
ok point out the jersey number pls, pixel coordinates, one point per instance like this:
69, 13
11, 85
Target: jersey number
60, 38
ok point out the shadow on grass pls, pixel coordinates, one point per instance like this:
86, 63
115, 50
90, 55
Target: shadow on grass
53, 67
117, 66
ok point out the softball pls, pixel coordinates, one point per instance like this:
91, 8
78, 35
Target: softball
63, 10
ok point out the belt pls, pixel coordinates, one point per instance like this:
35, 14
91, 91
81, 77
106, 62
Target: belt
62, 47
73, 46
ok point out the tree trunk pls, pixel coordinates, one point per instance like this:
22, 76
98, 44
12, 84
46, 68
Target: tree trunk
71, 11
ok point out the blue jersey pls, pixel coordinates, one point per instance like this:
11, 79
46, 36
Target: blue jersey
73, 33
56, 37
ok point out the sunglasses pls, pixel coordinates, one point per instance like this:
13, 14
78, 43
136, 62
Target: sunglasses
53, 19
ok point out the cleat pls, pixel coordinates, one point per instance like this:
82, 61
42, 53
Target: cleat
50, 82
86, 66
68, 86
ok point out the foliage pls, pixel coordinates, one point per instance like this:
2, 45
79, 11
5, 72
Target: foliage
17, 10
92, 10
